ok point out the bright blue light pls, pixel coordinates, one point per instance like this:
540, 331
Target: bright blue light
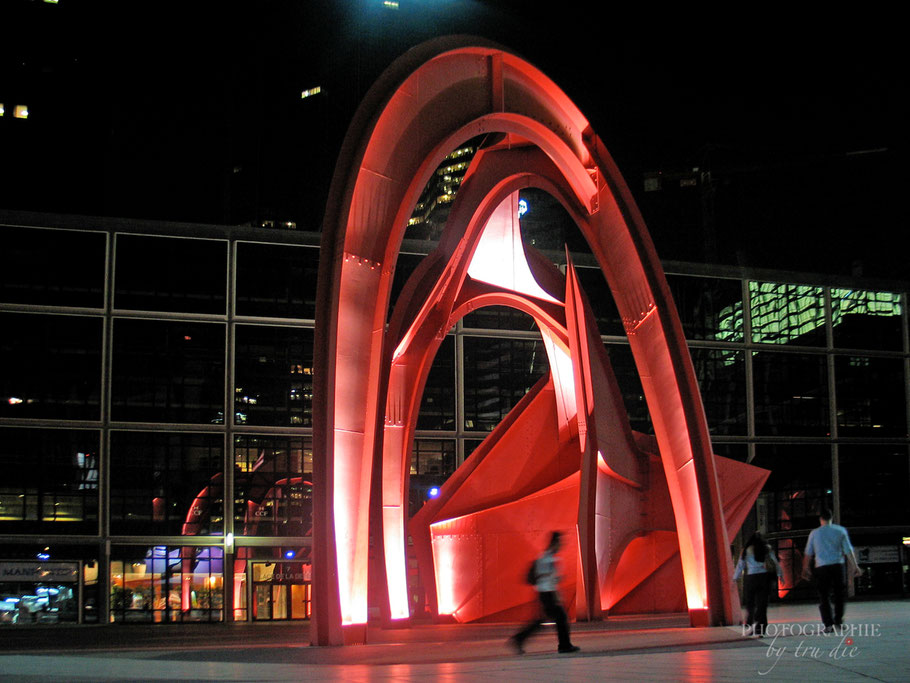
522, 207
433, 492
289, 554
44, 556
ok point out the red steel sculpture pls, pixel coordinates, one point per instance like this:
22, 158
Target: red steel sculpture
649, 517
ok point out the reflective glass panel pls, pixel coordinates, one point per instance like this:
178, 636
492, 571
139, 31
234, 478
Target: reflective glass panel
168, 371
166, 483
273, 490
722, 379
273, 375
404, 268
432, 463
799, 484
276, 280
871, 396
633, 395
787, 314
163, 584
499, 318
50, 366
39, 268
600, 298
709, 308
437, 405
497, 374
170, 274
865, 319
49, 482
874, 485
791, 394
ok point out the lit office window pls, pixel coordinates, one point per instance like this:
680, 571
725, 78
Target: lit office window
310, 92
49, 482
21, 111
791, 394
50, 366
499, 318
167, 371
2, 110
865, 319
273, 375
165, 483
787, 314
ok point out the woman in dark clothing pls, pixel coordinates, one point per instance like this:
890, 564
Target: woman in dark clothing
761, 568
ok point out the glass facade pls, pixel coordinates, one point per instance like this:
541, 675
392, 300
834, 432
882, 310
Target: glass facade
162, 390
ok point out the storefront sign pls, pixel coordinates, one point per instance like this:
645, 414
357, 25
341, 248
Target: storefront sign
39, 572
877, 554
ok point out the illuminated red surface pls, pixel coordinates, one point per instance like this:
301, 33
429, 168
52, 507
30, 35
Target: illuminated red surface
369, 377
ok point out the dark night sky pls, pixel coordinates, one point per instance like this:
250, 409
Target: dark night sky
192, 110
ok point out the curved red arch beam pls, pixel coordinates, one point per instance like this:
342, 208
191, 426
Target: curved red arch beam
434, 98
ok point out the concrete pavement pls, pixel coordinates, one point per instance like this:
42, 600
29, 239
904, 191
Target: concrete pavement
875, 647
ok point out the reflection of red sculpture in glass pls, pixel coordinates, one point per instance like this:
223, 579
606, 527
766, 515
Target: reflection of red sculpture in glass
565, 457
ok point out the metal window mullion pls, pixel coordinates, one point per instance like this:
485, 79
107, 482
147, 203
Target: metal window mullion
104, 455
228, 457
832, 403
750, 376
459, 395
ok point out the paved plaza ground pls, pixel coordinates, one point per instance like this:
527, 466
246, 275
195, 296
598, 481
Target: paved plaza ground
875, 648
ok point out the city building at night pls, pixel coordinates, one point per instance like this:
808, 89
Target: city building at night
125, 486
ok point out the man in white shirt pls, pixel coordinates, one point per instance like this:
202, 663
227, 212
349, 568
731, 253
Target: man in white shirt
829, 546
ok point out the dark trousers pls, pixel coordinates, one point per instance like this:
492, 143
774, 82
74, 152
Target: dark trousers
554, 611
831, 587
756, 588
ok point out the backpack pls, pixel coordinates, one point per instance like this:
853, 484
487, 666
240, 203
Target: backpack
531, 576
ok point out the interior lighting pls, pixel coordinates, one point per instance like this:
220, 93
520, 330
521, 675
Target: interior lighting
1, 109
390, 4
14, 400
433, 492
289, 554
21, 111
522, 207
311, 92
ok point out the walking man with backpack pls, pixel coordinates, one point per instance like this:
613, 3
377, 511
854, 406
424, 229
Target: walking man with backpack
546, 577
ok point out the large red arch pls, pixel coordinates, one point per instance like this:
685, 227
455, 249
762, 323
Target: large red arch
430, 100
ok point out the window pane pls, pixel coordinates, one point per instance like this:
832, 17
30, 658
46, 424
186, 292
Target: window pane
38, 267
273, 375
276, 281
437, 405
499, 318
799, 484
498, 373
791, 394
633, 395
164, 584
432, 463
404, 268
170, 274
168, 371
273, 486
866, 320
722, 379
709, 308
603, 306
787, 314
50, 481
874, 485
166, 483
871, 399
50, 366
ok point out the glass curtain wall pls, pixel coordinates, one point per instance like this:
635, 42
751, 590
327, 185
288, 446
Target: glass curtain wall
156, 412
